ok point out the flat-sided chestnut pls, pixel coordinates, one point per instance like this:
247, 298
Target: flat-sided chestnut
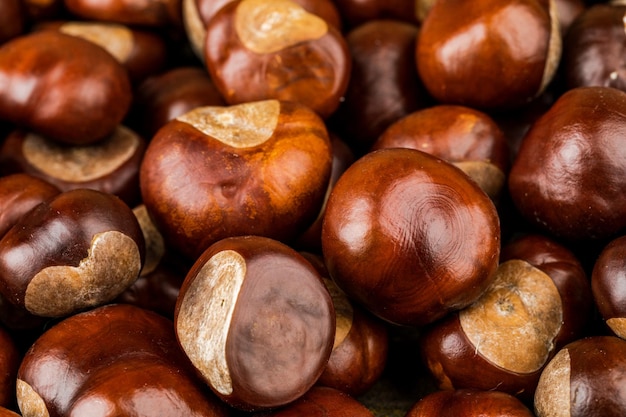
256, 321
410, 236
585, 378
62, 87
114, 360
147, 13
539, 301
12, 20
469, 403
276, 49
569, 176
111, 165
257, 168
488, 54
75, 251
465, 137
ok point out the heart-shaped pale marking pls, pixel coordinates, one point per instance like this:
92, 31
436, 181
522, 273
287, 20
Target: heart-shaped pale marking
155, 245
489, 177
267, 26
344, 313
29, 402
205, 315
80, 163
552, 396
514, 323
112, 264
240, 126
618, 326
115, 38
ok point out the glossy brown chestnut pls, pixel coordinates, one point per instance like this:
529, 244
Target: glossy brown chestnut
256, 321
78, 250
488, 54
111, 165
569, 178
469, 403
114, 360
384, 84
410, 236
62, 87
467, 138
10, 358
584, 379
257, 168
276, 49
539, 301
148, 13
19, 193
12, 20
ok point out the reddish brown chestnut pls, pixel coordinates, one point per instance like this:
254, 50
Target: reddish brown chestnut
488, 54
401, 226
469, 403
569, 177
256, 321
257, 168
586, 378
62, 87
78, 250
114, 360
539, 301
147, 13
276, 49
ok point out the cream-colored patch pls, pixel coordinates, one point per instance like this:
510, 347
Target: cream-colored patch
112, 265
489, 177
194, 27
618, 326
344, 313
555, 48
29, 402
240, 126
267, 26
80, 163
515, 321
205, 315
155, 244
552, 396
115, 38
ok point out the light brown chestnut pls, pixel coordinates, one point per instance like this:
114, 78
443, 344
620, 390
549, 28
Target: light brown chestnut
256, 321
257, 168
410, 236
78, 250
469, 403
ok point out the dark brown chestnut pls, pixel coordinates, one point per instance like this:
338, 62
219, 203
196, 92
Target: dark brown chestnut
62, 87
78, 250
256, 321
469, 403
10, 358
410, 236
357, 12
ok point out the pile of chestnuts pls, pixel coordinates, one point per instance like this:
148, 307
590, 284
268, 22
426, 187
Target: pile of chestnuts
276, 208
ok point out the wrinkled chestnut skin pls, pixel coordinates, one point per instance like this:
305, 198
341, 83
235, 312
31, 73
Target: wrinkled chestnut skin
469, 403
312, 72
150, 13
62, 87
19, 193
322, 402
12, 20
586, 380
402, 225
60, 232
10, 358
76, 368
199, 190
568, 177
593, 47
384, 85
488, 54
356, 12
260, 312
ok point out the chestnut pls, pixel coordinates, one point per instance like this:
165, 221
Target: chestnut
568, 178
147, 13
357, 12
78, 250
256, 168
256, 321
585, 378
488, 54
113, 360
12, 20
469, 403
539, 301
111, 165
62, 87
410, 236
465, 137
276, 49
